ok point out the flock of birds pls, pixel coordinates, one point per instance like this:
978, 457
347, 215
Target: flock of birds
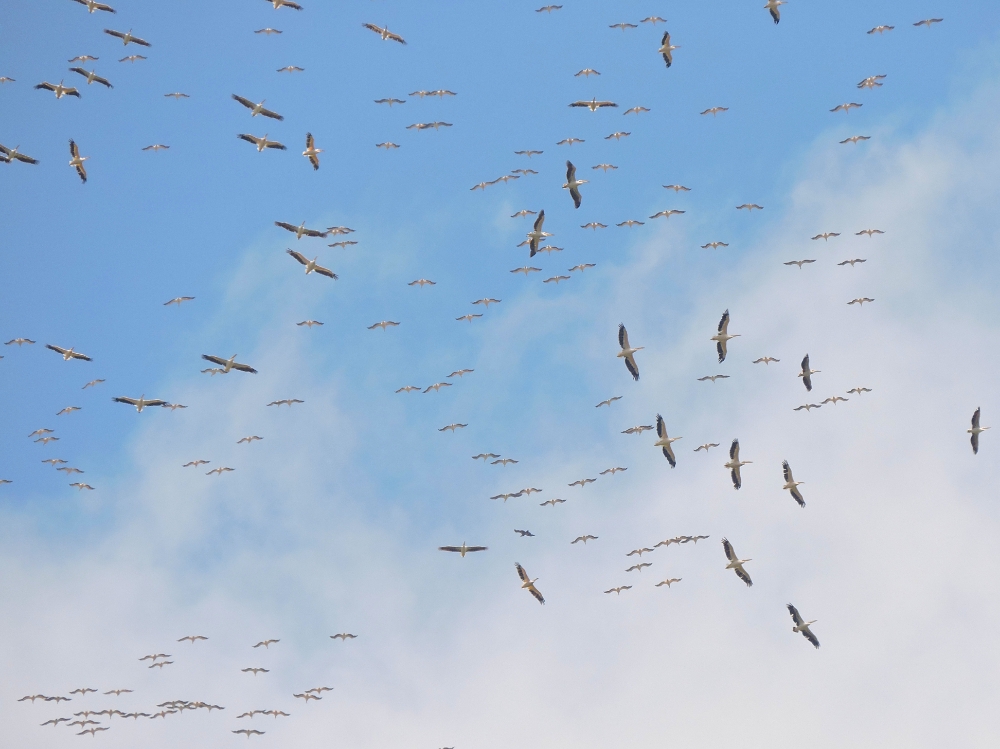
722, 340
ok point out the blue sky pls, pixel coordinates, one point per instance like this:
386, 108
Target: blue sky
332, 521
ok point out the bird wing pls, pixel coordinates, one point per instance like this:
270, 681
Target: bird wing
623, 336
536, 593
244, 368
728, 547
298, 256
245, 102
787, 470
807, 633
111, 32
326, 272
735, 476
130, 401
975, 444
574, 192
630, 365
797, 496
571, 170
807, 381
975, 419
724, 323
215, 359
796, 617
668, 453
57, 349
273, 115
742, 575
661, 429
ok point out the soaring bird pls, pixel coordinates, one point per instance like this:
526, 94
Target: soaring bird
722, 337
76, 160
300, 230
507, 495
593, 105
678, 188
860, 301
847, 107
311, 265
504, 462
807, 373
627, 352
825, 236
735, 563
799, 263
156, 147
586, 73
707, 446
569, 141
749, 207
852, 261
765, 360
715, 110
604, 168
344, 636
573, 184
807, 407
855, 139
485, 456
486, 302
436, 387
284, 4
713, 378
468, 317
529, 154
92, 77
290, 69
618, 590
452, 427
609, 401
257, 109
384, 33
653, 20
617, 136
91, 384
68, 410
19, 342
58, 89
262, 142
387, 145
665, 442
179, 300
975, 432
772, 7
463, 549
67, 353
880, 30
667, 214
196, 463
666, 49
133, 58
140, 402
639, 567
384, 324
428, 125
127, 38
872, 81
584, 539
308, 323
735, 463
613, 471
835, 399
536, 235
791, 484
390, 101
528, 583
928, 21
526, 269
409, 389
714, 245
461, 372
82, 486
312, 153
859, 390
248, 732
803, 626
229, 364
868, 232
177, 96
248, 440
524, 534
638, 552
582, 267
421, 282
285, 402
623, 26
255, 671
556, 279
639, 429
93, 5
548, 9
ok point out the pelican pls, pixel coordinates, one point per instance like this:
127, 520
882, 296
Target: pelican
428, 125
91, 384
807, 407
869, 232
556, 279
613, 471
69, 470
609, 401
627, 352
384, 33
192, 638
93, 5
847, 107
285, 4
872, 81
638, 429
528, 583
604, 168
715, 110
229, 364
582, 482
220, 470
132, 58
486, 302
255, 671
573, 184
507, 495
47, 440
860, 301
735, 463
825, 236
68, 353
586, 73
156, 147
59, 89
548, 9
707, 446
248, 732
261, 143
312, 153
92, 77
799, 263
485, 456
835, 399
735, 563
504, 461
463, 549
722, 337
617, 136
714, 245
669, 581
461, 372
140, 402
311, 265
529, 492
19, 342
653, 20
81, 486
975, 432
179, 300
640, 552
859, 390
529, 154
53, 461
552, 502
880, 30
196, 463
285, 402
536, 234
408, 389
667, 214
639, 566
665, 442
84, 58
308, 323
593, 105
713, 378
666, 49
343, 637
853, 261
678, 188
68, 410
290, 69
524, 534
855, 139
807, 373
436, 387
387, 145
300, 230
928, 21
749, 207
468, 317
526, 269
791, 484
177, 96
582, 267
76, 160
623, 26
421, 282
384, 324
452, 427
765, 360
801, 625
584, 539
257, 109
390, 101
772, 7
619, 589
127, 38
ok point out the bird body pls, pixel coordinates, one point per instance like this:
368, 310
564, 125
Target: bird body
76, 161
734, 464
140, 402
665, 442
528, 584
807, 373
627, 352
735, 563
463, 549
666, 49
722, 337
803, 626
791, 484
573, 184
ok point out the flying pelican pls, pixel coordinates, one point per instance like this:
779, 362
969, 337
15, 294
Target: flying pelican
593, 105
408, 389
749, 207
248, 732
623, 26
69, 470
308, 323
553, 502
669, 581
19, 342
834, 399
570, 141
735, 563
613, 471
428, 125
59, 89
76, 160
92, 77
799, 263
722, 337
526, 269
461, 372
452, 427
586, 73
524, 534
529, 492
485, 456
463, 549
248, 440
573, 184
791, 484
257, 109
192, 638
285, 402
639, 567
853, 261
713, 378
390, 101
343, 637
859, 390
387, 145
638, 429
93, 5
67, 353
127, 38
855, 139
81, 486
734, 464
486, 302
715, 110
536, 234
619, 589
765, 360
609, 401
156, 147
556, 279
847, 107
421, 282
290, 69
311, 265
772, 7
83, 58
665, 442
255, 671
528, 583
582, 267
872, 81
807, 373
384, 324
529, 154
666, 49
68, 410
801, 625
285, 4
229, 364
384, 33
140, 402
436, 387
617, 136
928, 21
582, 482
714, 245
825, 236
667, 214
468, 317
678, 188
707, 446
604, 168
91, 384
627, 352
312, 153
196, 463
869, 232
47, 440
860, 301
975, 432
653, 20
880, 29
807, 407
640, 552
261, 143
504, 462
177, 96
179, 300
548, 9
507, 495
53, 461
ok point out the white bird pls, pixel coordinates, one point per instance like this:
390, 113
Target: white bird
772, 7
384, 33
734, 464
179, 300
791, 484
127, 38
452, 427
859, 390
807, 407
384, 325
463, 549
852, 261
92, 77
669, 581
421, 282
627, 352
807, 373
257, 109
667, 214
975, 432
312, 153
847, 107
609, 401
58, 89
835, 399
723, 337
713, 378
665, 441
140, 402
573, 184
618, 590
799, 263
262, 142
229, 364
735, 563
312, 265
803, 626
860, 301
707, 446
536, 235
593, 105
68, 353
528, 583
666, 49
76, 160
93, 5
765, 360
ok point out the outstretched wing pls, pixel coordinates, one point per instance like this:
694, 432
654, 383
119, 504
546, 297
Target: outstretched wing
724, 323
245, 102
623, 336
728, 548
734, 450
298, 256
795, 615
742, 575
787, 470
